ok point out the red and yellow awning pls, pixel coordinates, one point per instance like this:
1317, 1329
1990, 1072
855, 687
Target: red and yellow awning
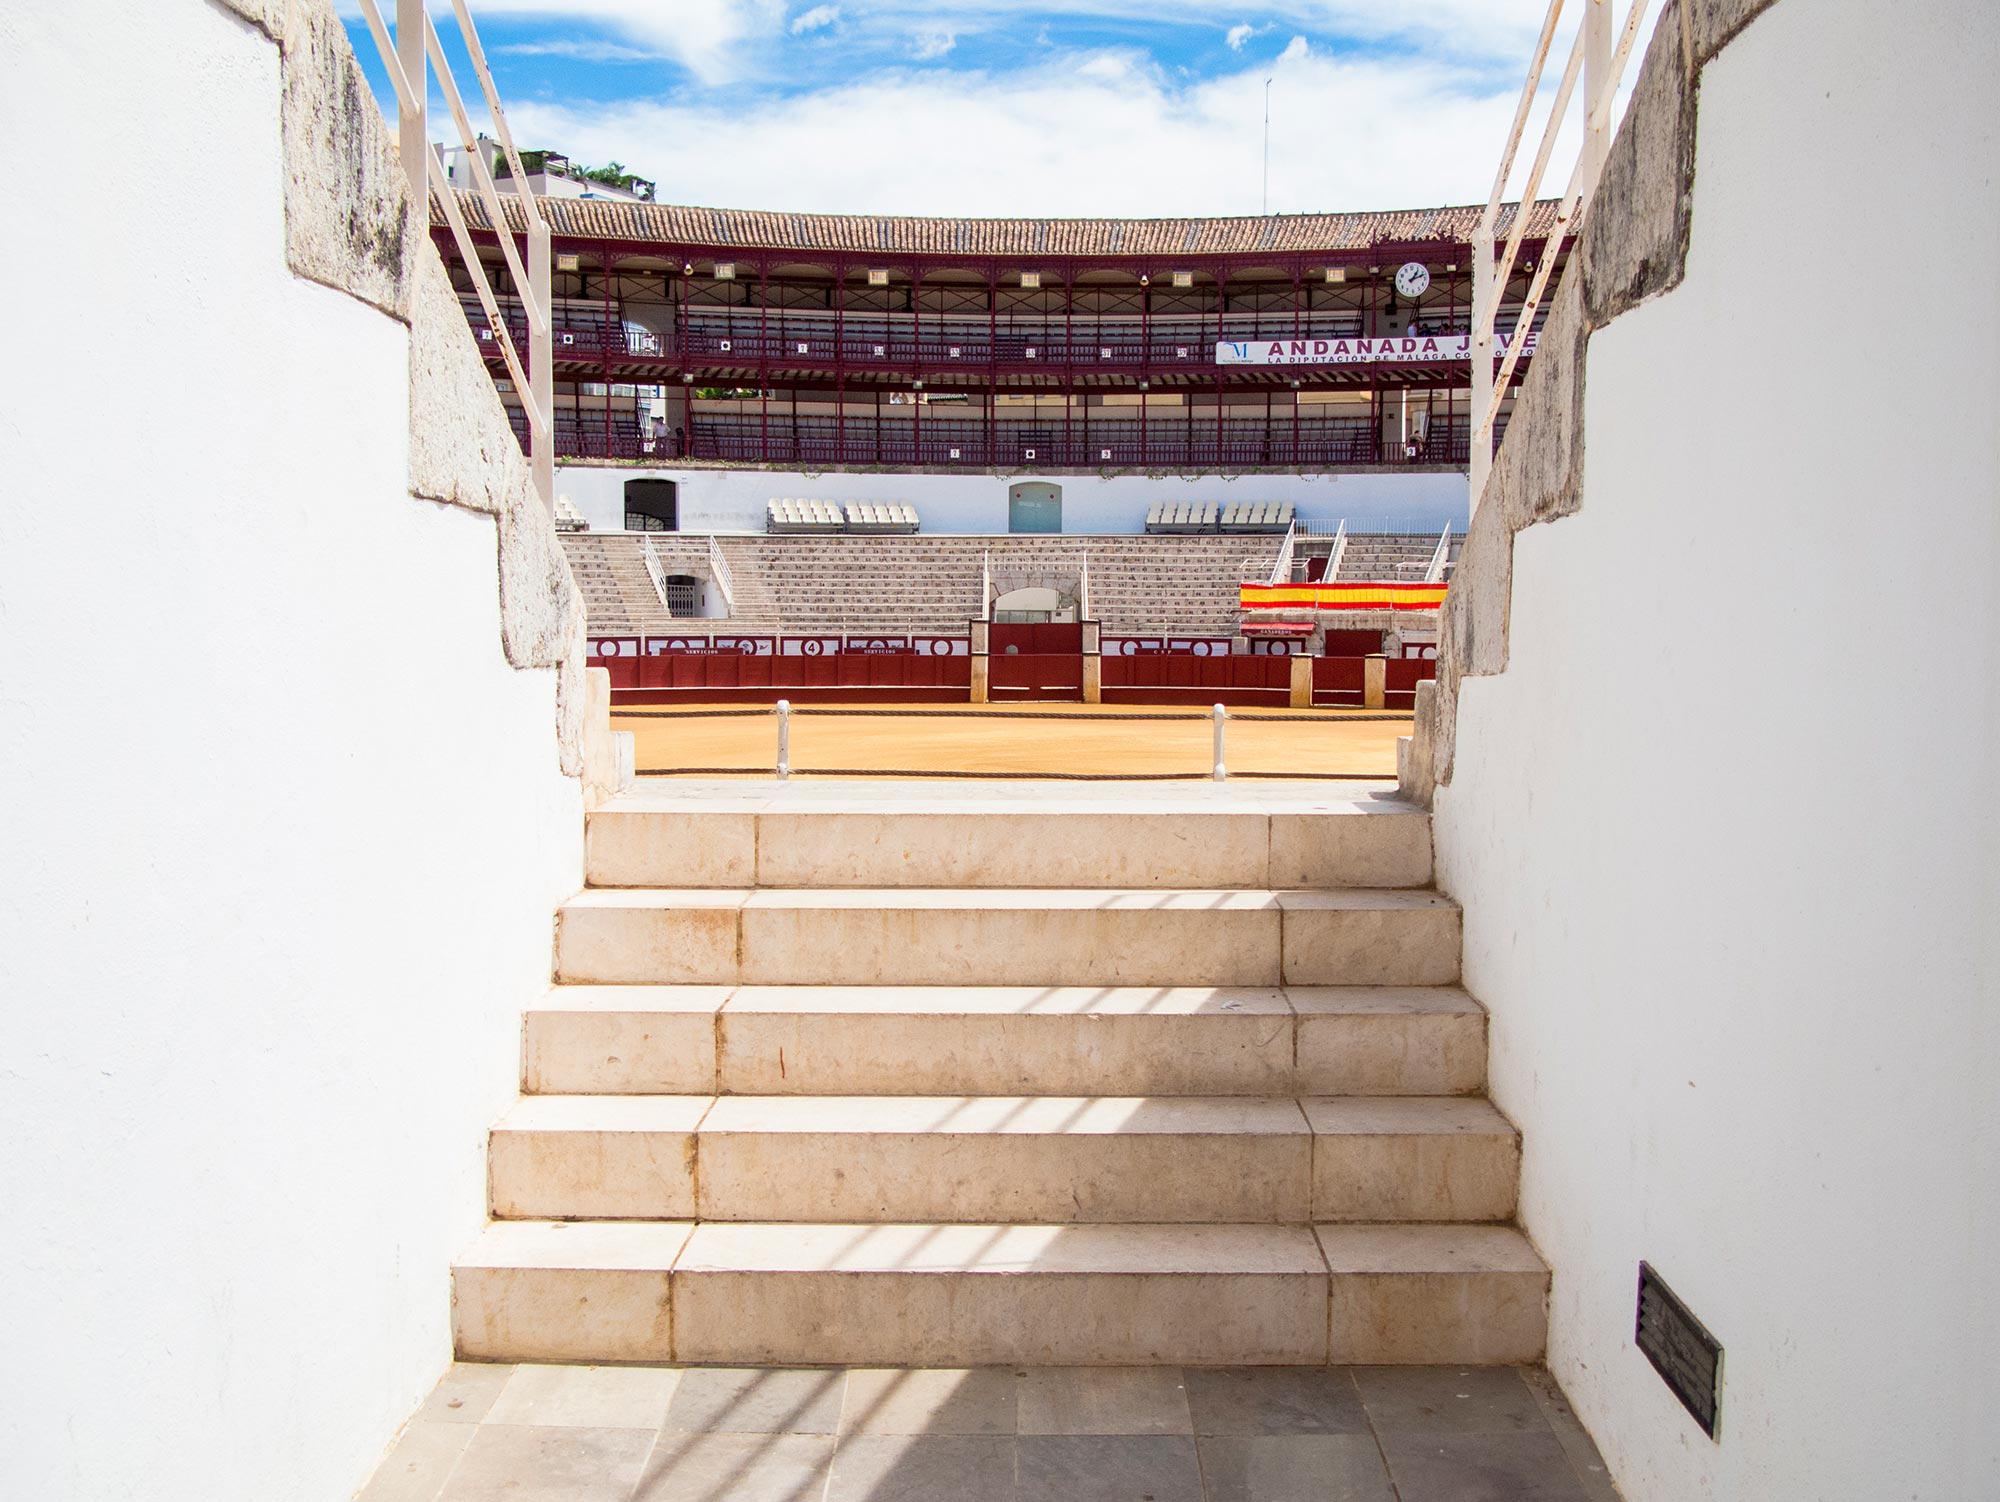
1355, 595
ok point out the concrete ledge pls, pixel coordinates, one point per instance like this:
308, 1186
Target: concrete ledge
1632, 246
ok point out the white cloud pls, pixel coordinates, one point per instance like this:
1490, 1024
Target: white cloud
709, 38
1080, 135
581, 51
933, 42
812, 20
1238, 35
1295, 49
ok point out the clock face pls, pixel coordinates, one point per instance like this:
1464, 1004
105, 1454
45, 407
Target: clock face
1412, 278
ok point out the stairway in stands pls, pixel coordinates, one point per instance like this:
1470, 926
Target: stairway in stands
941, 1078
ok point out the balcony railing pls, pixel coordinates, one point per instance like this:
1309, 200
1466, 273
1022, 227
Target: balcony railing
740, 338
969, 443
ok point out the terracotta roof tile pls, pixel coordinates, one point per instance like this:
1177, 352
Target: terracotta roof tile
751, 229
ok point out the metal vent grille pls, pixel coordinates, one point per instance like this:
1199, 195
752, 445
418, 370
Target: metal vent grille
1687, 1357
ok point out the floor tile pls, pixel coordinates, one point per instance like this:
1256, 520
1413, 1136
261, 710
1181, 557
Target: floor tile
1572, 1436
416, 1468
588, 1397
1274, 1400
923, 1468
1104, 1400
1449, 1400
1293, 1468
1481, 1468
978, 1401
756, 1400
737, 1468
515, 1463
465, 1392
1107, 1468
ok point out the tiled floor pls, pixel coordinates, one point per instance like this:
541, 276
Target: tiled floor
1152, 1434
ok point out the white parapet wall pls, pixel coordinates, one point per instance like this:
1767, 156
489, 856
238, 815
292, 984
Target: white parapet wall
1723, 798
285, 808
732, 500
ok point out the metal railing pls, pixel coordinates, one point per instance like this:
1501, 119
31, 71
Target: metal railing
1440, 556
403, 59
656, 571
1602, 65
724, 576
1339, 551
1281, 567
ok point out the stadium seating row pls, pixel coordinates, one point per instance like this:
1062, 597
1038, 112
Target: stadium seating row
830, 516
1203, 516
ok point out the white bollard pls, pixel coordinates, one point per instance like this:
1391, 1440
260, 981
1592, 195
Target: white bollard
1221, 772
784, 739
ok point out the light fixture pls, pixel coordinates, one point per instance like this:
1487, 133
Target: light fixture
878, 278
687, 377
1031, 279
1183, 278
725, 271
687, 268
567, 261
1336, 273
1144, 279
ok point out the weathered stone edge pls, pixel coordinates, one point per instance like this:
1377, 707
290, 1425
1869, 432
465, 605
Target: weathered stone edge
1631, 247
350, 225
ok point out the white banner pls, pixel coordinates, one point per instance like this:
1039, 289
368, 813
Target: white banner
1396, 349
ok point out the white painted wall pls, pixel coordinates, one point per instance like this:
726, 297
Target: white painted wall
732, 500
1729, 850
282, 831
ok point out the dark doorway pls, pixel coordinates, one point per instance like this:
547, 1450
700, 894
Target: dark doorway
652, 506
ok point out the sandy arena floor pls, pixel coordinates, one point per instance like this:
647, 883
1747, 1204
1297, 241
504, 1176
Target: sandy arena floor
993, 738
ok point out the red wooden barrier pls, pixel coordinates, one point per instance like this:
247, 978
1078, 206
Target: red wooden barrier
1337, 680
1185, 679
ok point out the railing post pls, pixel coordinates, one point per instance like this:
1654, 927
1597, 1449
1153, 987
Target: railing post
1480, 458
784, 739
1596, 69
1221, 718
413, 115
541, 372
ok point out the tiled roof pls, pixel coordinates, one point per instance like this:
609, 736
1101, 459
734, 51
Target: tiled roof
865, 235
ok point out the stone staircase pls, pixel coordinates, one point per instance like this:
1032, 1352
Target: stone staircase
950, 1079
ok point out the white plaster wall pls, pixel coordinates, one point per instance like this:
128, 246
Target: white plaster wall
282, 830
732, 500
1730, 852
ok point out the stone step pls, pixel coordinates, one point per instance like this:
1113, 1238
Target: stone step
653, 838
969, 1295
1005, 1040
868, 1159
1020, 936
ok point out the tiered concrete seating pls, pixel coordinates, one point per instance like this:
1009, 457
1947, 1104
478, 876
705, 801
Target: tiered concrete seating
618, 593
1399, 556
568, 518
1182, 585
865, 1087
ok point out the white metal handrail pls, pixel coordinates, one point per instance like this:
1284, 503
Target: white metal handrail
403, 59
1339, 551
725, 577
1602, 66
655, 570
1281, 570
1434, 570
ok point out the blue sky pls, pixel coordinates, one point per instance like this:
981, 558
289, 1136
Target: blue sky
991, 107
